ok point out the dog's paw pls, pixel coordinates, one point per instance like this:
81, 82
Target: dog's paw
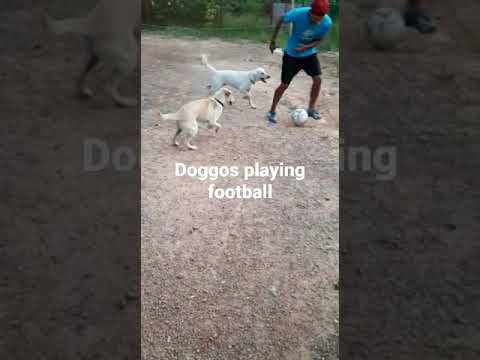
192, 147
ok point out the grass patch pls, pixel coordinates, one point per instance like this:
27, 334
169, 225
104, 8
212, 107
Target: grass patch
244, 27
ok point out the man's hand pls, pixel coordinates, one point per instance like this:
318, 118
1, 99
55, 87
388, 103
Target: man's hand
272, 46
301, 48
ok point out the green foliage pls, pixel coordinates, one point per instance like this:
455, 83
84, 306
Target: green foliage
258, 34
213, 11
195, 12
180, 11
228, 19
200, 11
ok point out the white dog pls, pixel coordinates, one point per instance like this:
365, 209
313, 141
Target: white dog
240, 80
110, 31
207, 110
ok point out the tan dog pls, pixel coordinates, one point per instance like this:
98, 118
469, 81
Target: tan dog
207, 110
109, 30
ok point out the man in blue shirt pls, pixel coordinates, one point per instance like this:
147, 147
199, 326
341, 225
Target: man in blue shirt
310, 25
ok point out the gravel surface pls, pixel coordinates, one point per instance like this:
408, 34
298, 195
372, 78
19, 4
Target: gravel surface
237, 279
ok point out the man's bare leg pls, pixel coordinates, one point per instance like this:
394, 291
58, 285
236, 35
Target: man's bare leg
277, 96
271, 116
314, 93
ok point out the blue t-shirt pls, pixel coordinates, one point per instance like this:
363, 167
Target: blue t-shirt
304, 32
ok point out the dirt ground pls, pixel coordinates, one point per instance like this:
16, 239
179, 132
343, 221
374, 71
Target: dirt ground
237, 279
69, 250
408, 247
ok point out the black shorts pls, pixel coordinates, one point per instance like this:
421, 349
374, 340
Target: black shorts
292, 65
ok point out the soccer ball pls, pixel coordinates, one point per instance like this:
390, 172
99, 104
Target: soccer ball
299, 117
386, 28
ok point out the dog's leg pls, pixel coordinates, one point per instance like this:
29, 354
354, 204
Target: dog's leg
189, 144
93, 62
177, 134
211, 89
84, 90
214, 124
215, 84
249, 97
191, 133
125, 58
115, 92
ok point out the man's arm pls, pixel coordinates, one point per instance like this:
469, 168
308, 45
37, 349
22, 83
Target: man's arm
303, 47
273, 45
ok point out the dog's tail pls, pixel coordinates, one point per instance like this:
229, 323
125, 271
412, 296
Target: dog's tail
205, 62
172, 116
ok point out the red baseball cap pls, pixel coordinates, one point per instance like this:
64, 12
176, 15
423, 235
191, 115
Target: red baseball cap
319, 7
